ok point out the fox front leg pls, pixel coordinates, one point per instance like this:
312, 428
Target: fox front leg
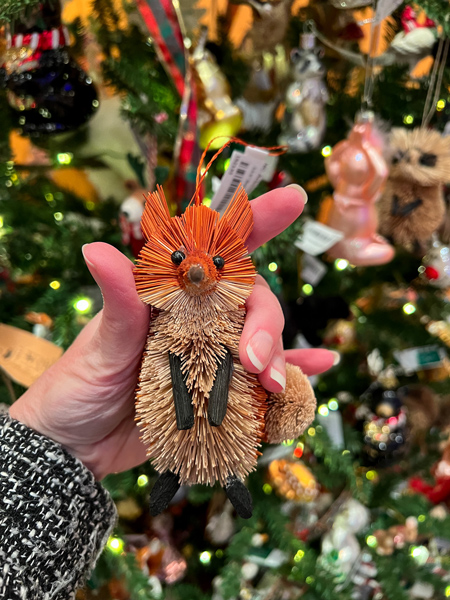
182, 399
218, 396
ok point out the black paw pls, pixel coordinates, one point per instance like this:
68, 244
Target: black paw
239, 497
163, 491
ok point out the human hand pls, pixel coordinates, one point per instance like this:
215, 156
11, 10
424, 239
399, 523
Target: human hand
85, 401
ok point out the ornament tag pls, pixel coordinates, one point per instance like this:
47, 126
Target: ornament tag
317, 238
422, 357
248, 168
384, 9
23, 356
313, 270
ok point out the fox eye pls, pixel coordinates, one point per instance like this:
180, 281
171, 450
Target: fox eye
177, 257
218, 262
428, 160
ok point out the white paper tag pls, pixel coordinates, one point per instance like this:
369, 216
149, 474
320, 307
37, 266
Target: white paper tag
248, 168
422, 357
317, 238
385, 8
313, 269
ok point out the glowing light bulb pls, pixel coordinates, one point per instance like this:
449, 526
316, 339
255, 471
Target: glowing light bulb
142, 480
333, 404
64, 158
273, 266
83, 305
409, 308
307, 289
205, 557
371, 541
116, 545
55, 285
408, 119
323, 410
267, 488
326, 151
299, 555
440, 105
341, 264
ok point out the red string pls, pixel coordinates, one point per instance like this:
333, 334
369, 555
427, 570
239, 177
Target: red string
200, 177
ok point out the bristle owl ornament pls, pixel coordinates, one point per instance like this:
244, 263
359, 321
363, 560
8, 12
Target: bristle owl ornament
412, 207
202, 415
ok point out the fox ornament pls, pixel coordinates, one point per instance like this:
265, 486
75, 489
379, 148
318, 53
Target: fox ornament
202, 415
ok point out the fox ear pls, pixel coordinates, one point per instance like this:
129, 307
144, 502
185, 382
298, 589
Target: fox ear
238, 215
156, 213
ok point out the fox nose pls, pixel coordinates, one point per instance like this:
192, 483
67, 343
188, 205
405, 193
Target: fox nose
196, 274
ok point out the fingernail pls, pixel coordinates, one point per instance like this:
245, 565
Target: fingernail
299, 188
337, 357
278, 372
86, 260
259, 349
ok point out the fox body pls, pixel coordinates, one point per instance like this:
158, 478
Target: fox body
202, 415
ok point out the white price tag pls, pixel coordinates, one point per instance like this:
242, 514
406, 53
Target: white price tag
317, 238
423, 357
313, 269
248, 168
385, 8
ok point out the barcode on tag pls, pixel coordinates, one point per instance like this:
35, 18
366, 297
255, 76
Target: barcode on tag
423, 357
317, 238
245, 168
313, 269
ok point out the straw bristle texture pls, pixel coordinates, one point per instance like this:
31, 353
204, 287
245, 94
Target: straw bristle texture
197, 324
199, 229
203, 454
289, 413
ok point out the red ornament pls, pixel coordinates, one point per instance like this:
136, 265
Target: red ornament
431, 273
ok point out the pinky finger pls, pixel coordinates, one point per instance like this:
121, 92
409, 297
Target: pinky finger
314, 361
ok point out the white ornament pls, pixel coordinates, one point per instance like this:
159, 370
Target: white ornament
304, 121
249, 570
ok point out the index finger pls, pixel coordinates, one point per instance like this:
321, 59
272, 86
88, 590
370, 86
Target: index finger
274, 212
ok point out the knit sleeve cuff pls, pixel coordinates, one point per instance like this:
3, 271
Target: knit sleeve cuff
54, 517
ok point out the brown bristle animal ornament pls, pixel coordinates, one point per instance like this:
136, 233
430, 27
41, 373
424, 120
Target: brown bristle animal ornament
412, 207
201, 414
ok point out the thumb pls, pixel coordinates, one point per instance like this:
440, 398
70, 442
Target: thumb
123, 326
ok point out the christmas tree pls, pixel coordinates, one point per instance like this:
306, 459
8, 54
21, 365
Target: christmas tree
125, 96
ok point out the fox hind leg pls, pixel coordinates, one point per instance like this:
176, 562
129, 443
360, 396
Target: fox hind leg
239, 497
163, 491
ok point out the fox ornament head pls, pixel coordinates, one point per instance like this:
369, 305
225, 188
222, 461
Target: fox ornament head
202, 415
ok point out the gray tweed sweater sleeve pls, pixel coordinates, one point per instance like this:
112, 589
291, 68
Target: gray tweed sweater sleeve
54, 517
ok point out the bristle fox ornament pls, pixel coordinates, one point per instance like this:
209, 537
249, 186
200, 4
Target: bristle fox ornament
202, 415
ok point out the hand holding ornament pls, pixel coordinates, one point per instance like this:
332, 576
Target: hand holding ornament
85, 401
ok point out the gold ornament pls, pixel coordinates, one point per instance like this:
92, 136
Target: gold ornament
217, 115
293, 480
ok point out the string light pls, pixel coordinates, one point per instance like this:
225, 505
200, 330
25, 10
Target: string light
409, 308
58, 216
371, 541
287, 442
205, 557
420, 554
207, 201
116, 545
299, 555
447, 591
267, 488
326, 151
307, 289
1, 221
440, 105
340, 264
83, 305
64, 158
311, 431
333, 404
226, 164
421, 518
273, 266
323, 410
309, 580
55, 285
49, 197
371, 475
408, 119
298, 452
142, 480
